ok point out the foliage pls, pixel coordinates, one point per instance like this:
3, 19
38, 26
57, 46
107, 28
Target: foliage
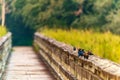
45, 12
3, 31
102, 15
102, 44
39, 13
21, 34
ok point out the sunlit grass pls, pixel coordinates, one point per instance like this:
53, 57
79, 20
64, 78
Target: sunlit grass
3, 31
105, 45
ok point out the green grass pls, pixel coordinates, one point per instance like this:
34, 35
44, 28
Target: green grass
105, 45
3, 31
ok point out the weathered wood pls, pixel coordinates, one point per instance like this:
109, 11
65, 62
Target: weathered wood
24, 64
65, 64
5, 49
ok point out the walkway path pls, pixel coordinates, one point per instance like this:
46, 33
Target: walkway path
25, 65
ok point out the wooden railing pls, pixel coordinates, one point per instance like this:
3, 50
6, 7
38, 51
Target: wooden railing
67, 66
5, 49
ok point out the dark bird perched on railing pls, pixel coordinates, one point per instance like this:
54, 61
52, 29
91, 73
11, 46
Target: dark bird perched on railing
86, 54
81, 52
74, 50
90, 53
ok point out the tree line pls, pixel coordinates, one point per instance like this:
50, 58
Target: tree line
85, 14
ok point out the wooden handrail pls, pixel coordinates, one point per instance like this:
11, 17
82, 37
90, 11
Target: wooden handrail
5, 50
68, 66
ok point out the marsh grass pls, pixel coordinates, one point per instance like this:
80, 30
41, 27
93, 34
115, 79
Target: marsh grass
105, 45
3, 31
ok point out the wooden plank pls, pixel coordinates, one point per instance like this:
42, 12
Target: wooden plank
24, 64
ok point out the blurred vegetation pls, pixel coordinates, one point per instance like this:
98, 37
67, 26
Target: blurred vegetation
97, 19
103, 15
3, 31
105, 44
21, 34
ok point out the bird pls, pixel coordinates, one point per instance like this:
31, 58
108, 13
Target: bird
90, 53
74, 50
86, 55
80, 52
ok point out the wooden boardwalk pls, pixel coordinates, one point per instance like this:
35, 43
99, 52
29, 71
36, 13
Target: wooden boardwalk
24, 64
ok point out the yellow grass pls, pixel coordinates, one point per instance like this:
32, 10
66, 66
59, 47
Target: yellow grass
105, 45
3, 31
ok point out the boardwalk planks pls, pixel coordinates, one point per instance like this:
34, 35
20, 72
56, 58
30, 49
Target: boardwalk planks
24, 64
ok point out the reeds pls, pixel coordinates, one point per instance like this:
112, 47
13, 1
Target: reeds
105, 45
